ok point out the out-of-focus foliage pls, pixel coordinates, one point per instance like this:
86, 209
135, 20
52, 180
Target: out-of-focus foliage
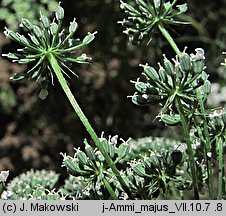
38, 185
12, 10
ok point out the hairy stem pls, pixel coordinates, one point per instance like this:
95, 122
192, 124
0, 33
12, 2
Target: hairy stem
169, 38
186, 130
84, 120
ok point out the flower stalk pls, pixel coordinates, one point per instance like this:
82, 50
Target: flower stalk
168, 37
57, 70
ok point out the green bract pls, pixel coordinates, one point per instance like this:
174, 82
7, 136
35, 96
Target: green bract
177, 79
144, 16
44, 40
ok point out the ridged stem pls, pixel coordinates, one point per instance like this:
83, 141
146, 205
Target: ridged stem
56, 68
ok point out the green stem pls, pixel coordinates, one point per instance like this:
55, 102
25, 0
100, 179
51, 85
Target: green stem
109, 188
206, 158
207, 144
169, 38
84, 120
186, 130
220, 167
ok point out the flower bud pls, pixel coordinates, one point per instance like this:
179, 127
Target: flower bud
24, 40
139, 169
207, 87
123, 150
45, 21
73, 27
162, 74
185, 62
12, 35
198, 60
150, 72
168, 66
139, 100
89, 151
111, 150
53, 28
34, 40
11, 56
37, 31
105, 144
82, 157
27, 24
71, 166
198, 66
141, 87
60, 13
89, 38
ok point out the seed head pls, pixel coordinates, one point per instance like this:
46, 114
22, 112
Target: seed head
42, 40
144, 16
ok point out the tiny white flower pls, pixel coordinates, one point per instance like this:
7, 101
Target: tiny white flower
4, 175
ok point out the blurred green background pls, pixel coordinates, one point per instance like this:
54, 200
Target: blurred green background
34, 132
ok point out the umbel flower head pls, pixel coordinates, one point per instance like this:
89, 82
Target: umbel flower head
176, 79
217, 124
44, 40
144, 17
